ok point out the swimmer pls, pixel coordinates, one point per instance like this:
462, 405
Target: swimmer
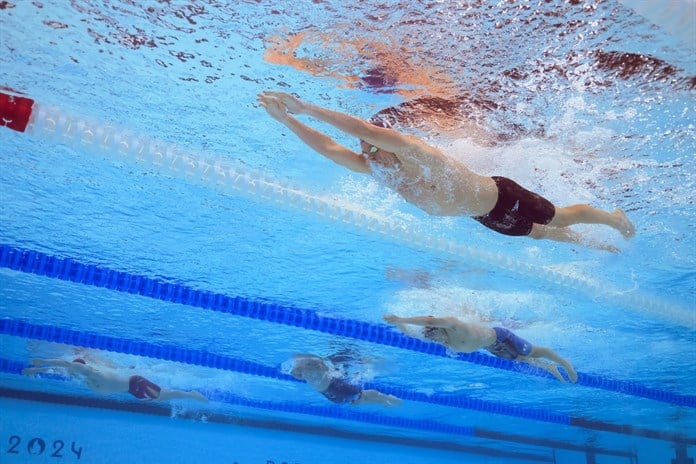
437, 184
108, 382
323, 376
463, 337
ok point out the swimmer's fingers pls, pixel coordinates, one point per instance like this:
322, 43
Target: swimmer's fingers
275, 108
293, 104
271, 101
262, 99
280, 95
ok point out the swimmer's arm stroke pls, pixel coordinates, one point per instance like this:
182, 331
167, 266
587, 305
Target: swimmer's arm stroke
424, 321
386, 139
319, 142
72, 367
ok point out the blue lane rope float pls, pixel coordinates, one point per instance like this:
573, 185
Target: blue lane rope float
207, 359
107, 140
36, 262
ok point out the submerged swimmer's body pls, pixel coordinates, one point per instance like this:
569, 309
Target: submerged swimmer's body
322, 375
436, 183
465, 337
105, 381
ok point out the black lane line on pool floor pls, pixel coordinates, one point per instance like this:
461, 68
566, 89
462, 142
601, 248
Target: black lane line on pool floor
275, 425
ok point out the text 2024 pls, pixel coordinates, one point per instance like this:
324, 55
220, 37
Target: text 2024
37, 446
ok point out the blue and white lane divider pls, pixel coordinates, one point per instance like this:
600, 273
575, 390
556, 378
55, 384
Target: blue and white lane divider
212, 360
35, 262
106, 140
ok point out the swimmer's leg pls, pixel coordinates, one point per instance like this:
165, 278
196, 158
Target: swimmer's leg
586, 214
563, 234
547, 366
374, 396
547, 353
166, 395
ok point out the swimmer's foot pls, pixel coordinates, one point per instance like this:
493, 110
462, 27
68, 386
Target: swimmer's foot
623, 224
572, 375
553, 370
603, 246
198, 396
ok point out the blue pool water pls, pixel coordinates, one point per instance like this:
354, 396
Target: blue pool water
210, 285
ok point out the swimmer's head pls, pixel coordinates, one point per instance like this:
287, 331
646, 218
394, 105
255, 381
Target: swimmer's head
79, 361
306, 364
370, 149
436, 334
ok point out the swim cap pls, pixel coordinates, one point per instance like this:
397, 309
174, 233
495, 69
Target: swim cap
379, 122
79, 360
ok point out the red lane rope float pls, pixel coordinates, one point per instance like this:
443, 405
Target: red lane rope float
15, 111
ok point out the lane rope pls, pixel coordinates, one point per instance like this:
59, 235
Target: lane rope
211, 360
67, 269
23, 114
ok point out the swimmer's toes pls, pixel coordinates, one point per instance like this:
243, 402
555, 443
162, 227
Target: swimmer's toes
570, 371
573, 376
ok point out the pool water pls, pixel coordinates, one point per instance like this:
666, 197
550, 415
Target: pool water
137, 262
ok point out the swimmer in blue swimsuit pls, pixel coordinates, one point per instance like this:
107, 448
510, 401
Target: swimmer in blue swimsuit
108, 381
439, 184
463, 337
329, 380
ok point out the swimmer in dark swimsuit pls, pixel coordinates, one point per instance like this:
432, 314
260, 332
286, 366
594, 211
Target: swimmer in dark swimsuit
463, 337
440, 185
325, 377
107, 381
142, 388
341, 391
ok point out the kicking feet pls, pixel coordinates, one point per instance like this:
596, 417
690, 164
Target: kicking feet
623, 224
572, 375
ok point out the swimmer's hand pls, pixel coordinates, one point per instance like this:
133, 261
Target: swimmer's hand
391, 318
274, 107
291, 102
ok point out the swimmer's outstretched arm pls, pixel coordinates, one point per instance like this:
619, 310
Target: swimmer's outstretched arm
44, 361
46, 365
30, 371
424, 321
59, 363
387, 139
321, 143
